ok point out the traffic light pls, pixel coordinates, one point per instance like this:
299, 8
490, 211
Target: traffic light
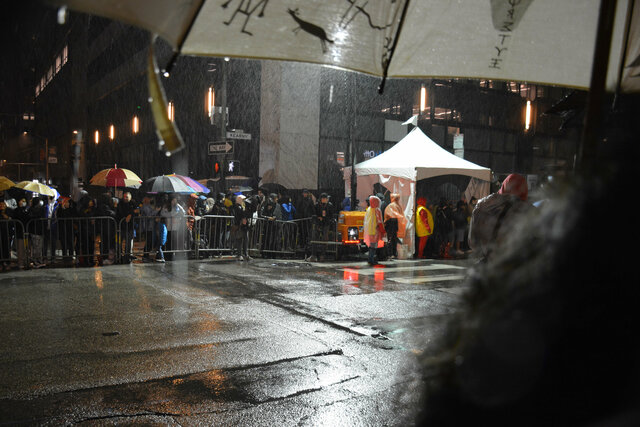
233, 168
217, 170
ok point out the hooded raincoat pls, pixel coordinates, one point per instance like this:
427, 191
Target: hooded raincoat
373, 224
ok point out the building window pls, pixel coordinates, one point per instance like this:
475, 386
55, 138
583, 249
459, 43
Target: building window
57, 65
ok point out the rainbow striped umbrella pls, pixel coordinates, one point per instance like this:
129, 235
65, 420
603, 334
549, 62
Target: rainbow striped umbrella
192, 183
116, 177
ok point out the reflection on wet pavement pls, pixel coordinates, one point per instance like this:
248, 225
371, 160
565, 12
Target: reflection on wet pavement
220, 343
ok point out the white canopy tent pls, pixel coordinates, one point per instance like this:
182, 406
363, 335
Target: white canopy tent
413, 158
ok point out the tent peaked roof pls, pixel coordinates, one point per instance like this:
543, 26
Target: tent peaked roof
417, 157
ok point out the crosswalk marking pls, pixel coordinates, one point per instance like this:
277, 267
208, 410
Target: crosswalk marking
418, 280
372, 271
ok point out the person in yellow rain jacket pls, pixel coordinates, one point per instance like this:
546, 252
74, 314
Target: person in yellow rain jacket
424, 225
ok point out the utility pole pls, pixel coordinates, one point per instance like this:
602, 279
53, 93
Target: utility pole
46, 160
76, 150
223, 115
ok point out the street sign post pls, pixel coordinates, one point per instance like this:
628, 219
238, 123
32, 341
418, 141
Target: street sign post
238, 135
220, 147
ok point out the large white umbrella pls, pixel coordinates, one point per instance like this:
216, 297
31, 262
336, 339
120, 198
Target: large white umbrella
587, 44
544, 41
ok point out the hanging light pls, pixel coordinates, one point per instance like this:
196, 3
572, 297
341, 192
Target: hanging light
112, 132
210, 101
527, 117
423, 98
135, 125
96, 136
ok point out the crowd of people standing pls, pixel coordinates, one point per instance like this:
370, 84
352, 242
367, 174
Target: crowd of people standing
441, 229
166, 226
94, 230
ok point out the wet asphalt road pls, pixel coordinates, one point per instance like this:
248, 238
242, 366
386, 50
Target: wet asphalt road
220, 342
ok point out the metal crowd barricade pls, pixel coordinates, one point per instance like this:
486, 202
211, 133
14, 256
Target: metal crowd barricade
213, 236
85, 240
11, 231
81, 240
304, 233
140, 237
324, 239
272, 237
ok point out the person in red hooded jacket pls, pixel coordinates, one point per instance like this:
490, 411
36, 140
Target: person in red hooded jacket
495, 215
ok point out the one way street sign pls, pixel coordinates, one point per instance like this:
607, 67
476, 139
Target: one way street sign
220, 148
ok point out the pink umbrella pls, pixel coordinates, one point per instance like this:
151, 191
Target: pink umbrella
192, 183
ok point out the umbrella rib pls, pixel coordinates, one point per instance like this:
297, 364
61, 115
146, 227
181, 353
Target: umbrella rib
177, 52
385, 71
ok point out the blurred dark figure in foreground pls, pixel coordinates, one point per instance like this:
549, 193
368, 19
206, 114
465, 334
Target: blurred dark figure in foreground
496, 215
548, 333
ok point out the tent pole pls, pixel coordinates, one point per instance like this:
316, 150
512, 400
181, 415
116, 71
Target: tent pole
352, 151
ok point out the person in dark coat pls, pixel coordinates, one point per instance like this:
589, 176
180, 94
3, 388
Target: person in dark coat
325, 214
86, 231
5, 235
65, 227
21, 215
37, 216
126, 210
324, 224
106, 227
240, 228
306, 210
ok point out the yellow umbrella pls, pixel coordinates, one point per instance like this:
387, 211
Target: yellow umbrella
36, 187
5, 183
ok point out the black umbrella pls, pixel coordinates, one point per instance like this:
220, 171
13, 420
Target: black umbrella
272, 187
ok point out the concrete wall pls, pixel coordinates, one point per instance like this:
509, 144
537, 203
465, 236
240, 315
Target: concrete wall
289, 125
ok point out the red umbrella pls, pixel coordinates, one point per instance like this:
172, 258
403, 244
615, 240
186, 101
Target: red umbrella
115, 177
